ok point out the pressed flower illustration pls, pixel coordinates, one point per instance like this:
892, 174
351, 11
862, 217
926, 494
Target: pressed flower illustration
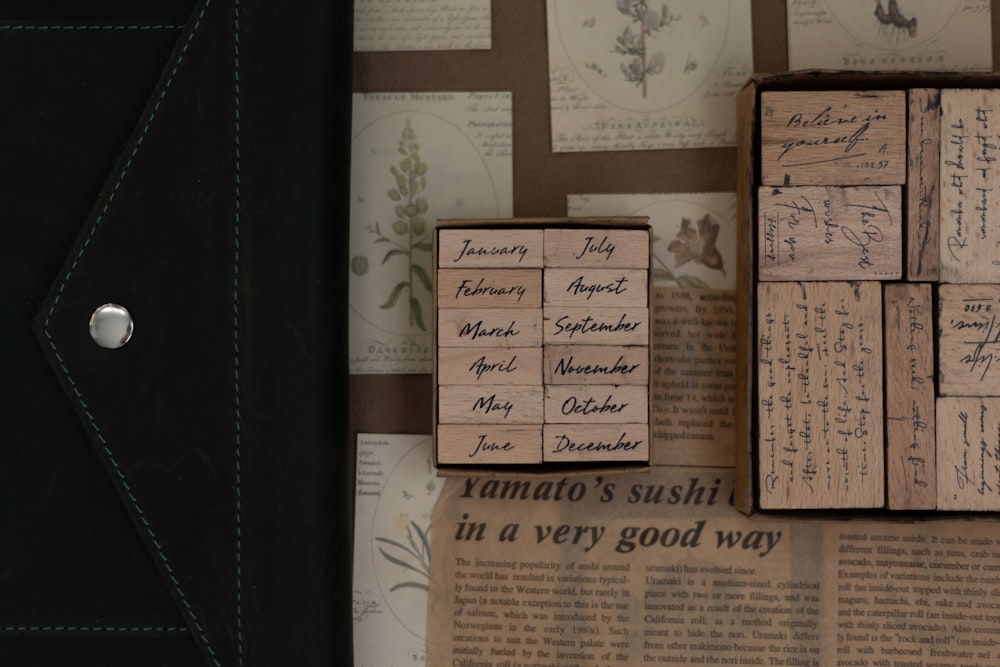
693, 243
409, 233
414, 555
633, 42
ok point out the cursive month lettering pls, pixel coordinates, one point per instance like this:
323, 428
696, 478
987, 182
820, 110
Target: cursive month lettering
480, 366
482, 288
491, 404
566, 367
589, 406
487, 445
578, 287
476, 330
602, 247
589, 325
469, 250
566, 444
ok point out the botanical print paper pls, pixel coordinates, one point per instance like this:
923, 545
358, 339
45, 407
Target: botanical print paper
935, 35
395, 493
421, 25
638, 75
416, 158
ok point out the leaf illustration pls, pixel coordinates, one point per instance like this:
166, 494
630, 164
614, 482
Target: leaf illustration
394, 296
417, 313
410, 584
395, 252
421, 273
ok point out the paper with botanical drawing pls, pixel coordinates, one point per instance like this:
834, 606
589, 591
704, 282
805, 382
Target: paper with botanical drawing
693, 337
637, 75
395, 492
926, 35
421, 25
416, 158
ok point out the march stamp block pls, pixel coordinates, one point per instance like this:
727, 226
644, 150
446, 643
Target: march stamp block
839, 137
489, 327
830, 233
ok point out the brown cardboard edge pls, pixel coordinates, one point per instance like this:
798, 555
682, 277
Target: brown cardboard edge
541, 469
748, 128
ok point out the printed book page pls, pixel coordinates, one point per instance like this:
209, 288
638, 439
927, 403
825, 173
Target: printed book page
395, 493
416, 158
422, 25
693, 335
869, 35
637, 75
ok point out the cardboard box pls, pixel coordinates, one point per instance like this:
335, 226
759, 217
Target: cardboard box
853, 119
584, 402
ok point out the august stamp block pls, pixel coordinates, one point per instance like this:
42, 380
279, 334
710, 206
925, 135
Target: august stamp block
596, 287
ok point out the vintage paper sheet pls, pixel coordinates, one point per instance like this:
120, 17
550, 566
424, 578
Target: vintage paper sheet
421, 25
693, 333
914, 35
657, 567
638, 75
416, 158
395, 492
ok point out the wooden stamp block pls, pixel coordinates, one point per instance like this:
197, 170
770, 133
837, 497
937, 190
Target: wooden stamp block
489, 366
496, 248
592, 443
489, 288
833, 137
968, 340
485, 404
968, 442
486, 444
489, 327
909, 397
597, 287
970, 186
596, 364
596, 326
596, 404
597, 248
819, 395
922, 194
830, 233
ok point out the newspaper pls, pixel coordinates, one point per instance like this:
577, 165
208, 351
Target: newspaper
659, 568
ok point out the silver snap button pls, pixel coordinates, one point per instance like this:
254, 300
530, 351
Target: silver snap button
111, 326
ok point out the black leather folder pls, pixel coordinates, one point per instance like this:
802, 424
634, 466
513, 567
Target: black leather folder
184, 499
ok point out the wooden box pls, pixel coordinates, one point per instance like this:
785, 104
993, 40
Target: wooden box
541, 345
869, 292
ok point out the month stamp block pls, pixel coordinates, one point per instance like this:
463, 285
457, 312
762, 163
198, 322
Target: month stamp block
830, 233
542, 324
843, 137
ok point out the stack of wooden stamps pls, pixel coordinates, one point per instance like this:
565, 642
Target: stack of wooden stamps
542, 343
877, 299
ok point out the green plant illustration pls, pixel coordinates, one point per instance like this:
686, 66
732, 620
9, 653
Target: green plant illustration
633, 44
409, 234
691, 244
414, 556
